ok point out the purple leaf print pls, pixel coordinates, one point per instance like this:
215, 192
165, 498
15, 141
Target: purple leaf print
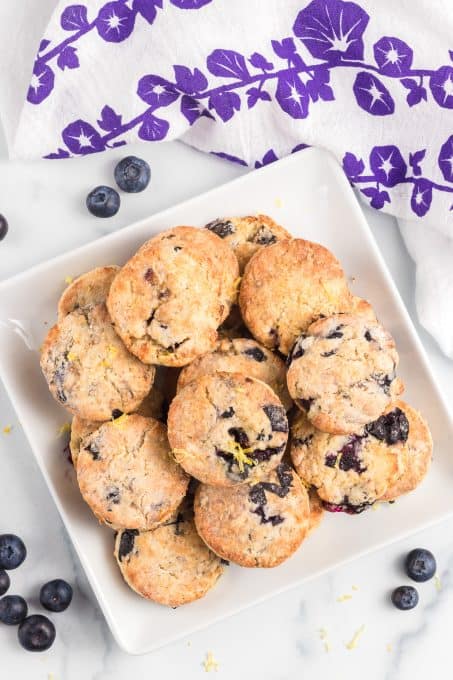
190, 4
80, 137
114, 145
393, 56
42, 45
441, 86
409, 83
422, 196
259, 61
450, 52
61, 153
156, 91
388, 165
415, 159
68, 58
372, 96
225, 104
300, 147
109, 120
189, 82
254, 94
445, 159
317, 86
378, 198
292, 95
153, 129
227, 64
41, 84
416, 95
332, 29
229, 157
146, 8
285, 49
269, 157
115, 22
192, 109
74, 18
352, 165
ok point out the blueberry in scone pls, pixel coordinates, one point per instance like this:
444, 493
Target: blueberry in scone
342, 372
258, 525
227, 428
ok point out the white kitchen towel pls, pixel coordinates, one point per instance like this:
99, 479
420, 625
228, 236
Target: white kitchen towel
254, 80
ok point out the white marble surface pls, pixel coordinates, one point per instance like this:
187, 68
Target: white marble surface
278, 640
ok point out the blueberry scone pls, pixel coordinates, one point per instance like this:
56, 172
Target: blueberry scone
245, 356
342, 372
87, 290
226, 428
246, 235
288, 285
127, 476
171, 296
171, 564
255, 526
351, 472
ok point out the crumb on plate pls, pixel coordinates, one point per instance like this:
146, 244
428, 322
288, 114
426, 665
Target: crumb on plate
210, 664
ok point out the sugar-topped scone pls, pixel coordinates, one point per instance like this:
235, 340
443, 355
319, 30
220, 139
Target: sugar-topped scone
255, 526
127, 476
241, 355
227, 428
87, 290
342, 372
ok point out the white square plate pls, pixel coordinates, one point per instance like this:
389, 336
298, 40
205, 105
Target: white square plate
309, 194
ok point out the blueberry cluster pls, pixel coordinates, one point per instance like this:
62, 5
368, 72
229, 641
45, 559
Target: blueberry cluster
36, 633
420, 566
132, 175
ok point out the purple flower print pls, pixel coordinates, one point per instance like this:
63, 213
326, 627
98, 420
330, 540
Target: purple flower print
332, 29
352, 165
115, 21
68, 58
227, 64
388, 165
292, 95
192, 109
445, 159
81, 138
372, 96
393, 56
190, 4
225, 104
42, 83
156, 91
422, 196
441, 86
74, 18
189, 81
153, 129
109, 120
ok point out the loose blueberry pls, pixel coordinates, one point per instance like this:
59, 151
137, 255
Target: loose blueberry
13, 609
12, 551
103, 202
3, 227
36, 633
420, 565
132, 174
56, 595
405, 597
4, 582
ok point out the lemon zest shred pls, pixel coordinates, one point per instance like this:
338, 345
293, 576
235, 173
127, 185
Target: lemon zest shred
389, 648
278, 202
344, 598
68, 280
7, 429
112, 350
210, 664
121, 421
355, 587
72, 356
354, 642
237, 282
240, 455
437, 583
323, 635
64, 429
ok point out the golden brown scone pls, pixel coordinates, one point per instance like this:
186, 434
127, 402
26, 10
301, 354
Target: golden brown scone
127, 476
87, 290
171, 296
255, 526
288, 285
226, 429
342, 372
171, 564
420, 451
351, 472
246, 235
89, 370
245, 356
316, 509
